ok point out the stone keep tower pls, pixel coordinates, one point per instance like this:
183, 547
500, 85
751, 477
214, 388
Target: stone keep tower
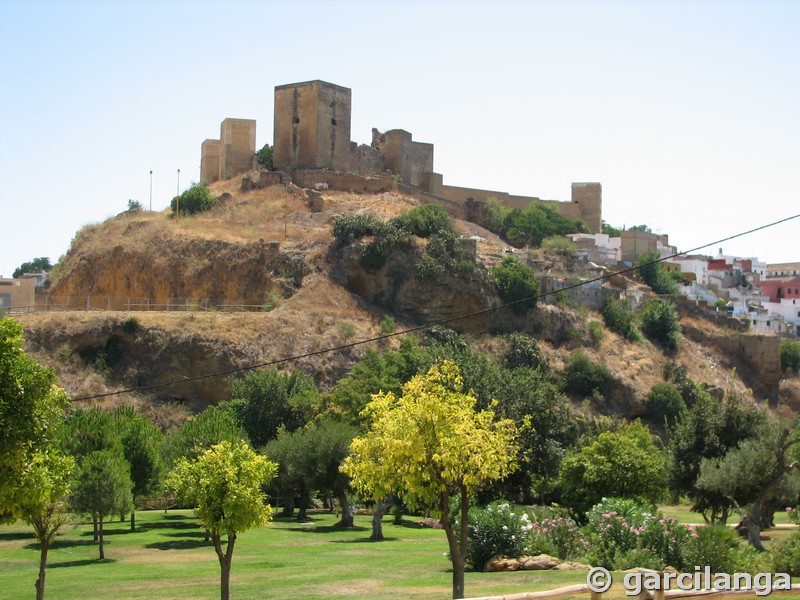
589, 196
312, 126
237, 138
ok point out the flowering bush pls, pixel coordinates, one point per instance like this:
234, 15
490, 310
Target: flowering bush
623, 531
664, 537
497, 530
560, 536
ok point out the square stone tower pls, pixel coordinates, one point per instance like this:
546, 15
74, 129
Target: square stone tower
312, 126
589, 196
237, 146
209, 161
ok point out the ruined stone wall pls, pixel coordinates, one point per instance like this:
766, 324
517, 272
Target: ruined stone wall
209, 161
312, 126
347, 182
462, 194
432, 183
364, 160
237, 146
395, 148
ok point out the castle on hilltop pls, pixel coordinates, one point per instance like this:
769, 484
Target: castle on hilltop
312, 143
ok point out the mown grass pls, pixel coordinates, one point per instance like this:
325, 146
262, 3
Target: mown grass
167, 558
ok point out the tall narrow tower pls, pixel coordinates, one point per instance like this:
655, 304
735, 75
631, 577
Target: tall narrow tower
312, 126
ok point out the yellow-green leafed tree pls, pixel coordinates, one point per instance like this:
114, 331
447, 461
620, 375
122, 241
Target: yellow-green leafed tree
224, 484
429, 444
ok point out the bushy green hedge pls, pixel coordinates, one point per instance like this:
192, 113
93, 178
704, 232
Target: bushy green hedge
194, 200
349, 228
584, 376
619, 318
516, 283
425, 220
661, 323
523, 351
665, 404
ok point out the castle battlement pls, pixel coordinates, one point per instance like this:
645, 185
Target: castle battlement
312, 133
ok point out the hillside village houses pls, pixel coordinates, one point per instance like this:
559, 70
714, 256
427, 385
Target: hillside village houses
765, 297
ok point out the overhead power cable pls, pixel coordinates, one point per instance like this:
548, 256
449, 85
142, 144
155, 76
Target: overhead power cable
386, 336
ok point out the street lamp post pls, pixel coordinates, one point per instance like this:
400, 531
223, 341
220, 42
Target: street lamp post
151, 190
178, 197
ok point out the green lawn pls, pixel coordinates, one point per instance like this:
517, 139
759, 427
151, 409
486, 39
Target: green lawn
167, 558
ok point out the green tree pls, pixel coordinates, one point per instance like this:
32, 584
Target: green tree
265, 400
751, 473
649, 268
660, 322
264, 157
531, 226
194, 200
429, 444
645, 228
37, 265
224, 484
585, 376
89, 430
102, 487
47, 479
425, 220
665, 404
141, 444
309, 459
497, 215
31, 408
516, 284
709, 430
610, 230
619, 318
624, 463
790, 356
541, 413
198, 434
523, 351
374, 373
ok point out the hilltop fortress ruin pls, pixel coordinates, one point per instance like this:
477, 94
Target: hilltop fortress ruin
312, 145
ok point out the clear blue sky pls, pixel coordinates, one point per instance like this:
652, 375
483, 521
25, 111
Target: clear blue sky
688, 113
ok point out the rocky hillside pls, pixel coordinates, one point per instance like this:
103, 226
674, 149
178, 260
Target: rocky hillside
270, 249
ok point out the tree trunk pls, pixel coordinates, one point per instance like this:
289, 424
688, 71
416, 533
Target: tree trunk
225, 560
347, 511
305, 500
377, 519
94, 526
100, 534
133, 519
753, 524
288, 505
121, 517
208, 536
457, 550
42, 571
